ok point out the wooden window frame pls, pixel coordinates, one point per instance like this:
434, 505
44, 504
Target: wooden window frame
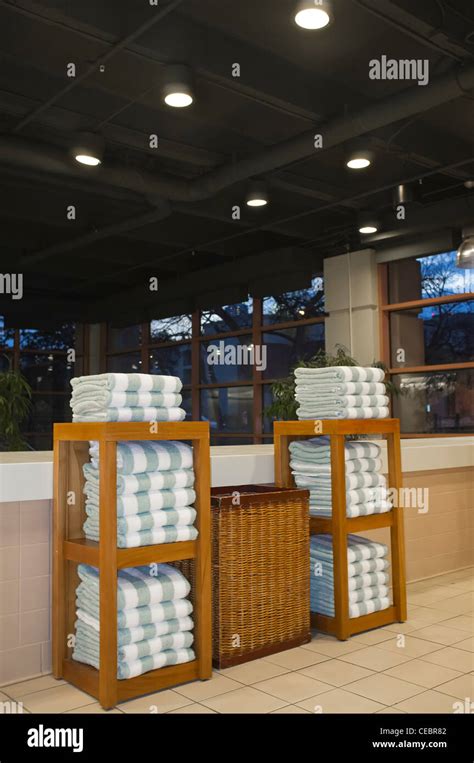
385, 310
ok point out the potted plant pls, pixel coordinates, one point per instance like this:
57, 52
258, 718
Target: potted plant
284, 404
15, 405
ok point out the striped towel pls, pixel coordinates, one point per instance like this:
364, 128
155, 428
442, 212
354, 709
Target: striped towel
139, 586
138, 667
99, 399
353, 465
130, 652
128, 414
155, 536
141, 632
321, 568
129, 484
326, 592
353, 481
357, 510
317, 411
330, 402
313, 390
355, 610
148, 520
358, 548
137, 616
339, 374
146, 501
318, 450
128, 383
137, 457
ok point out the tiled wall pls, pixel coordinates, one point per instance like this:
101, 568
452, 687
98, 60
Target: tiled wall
438, 541
25, 605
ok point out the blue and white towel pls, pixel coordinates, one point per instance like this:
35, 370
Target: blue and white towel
325, 393
126, 397
154, 627
366, 486
150, 456
367, 566
129, 484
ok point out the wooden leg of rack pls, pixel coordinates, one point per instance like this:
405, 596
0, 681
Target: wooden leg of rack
397, 536
59, 646
203, 594
108, 574
339, 536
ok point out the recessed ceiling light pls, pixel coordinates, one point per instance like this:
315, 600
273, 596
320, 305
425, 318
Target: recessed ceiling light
313, 14
359, 160
88, 149
178, 90
257, 195
368, 223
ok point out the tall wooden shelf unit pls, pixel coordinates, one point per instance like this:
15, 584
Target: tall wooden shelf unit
71, 451
339, 526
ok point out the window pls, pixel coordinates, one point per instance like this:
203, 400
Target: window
428, 342
216, 353
44, 359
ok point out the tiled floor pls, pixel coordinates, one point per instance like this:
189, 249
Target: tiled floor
423, 666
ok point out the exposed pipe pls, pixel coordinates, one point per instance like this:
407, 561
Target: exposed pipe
336, 131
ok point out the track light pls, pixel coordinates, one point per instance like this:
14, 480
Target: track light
469, 184
314, 14
88, 149
368, 224
178, 90
359, 159
465, 253
257, 195
403, 194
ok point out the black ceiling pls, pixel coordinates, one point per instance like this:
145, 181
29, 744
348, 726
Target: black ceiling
292, 82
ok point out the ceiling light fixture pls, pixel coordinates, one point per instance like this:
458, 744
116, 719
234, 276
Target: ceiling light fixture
368, 224
314, 14
465, 253
257, 195
88, 149
403, 194
359, 159
178, 90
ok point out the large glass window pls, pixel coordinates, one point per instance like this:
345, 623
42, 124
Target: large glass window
215, 352
428, 342
295, 305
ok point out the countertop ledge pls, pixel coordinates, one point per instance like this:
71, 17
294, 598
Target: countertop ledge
28, 476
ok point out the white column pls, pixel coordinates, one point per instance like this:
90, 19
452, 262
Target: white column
350, 285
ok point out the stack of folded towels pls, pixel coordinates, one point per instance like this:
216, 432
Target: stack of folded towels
366, 490
341, 392
368, 578
154, 493
154, 626
126, 397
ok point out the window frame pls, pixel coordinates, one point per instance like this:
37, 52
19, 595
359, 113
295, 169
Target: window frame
257, 382
386, 309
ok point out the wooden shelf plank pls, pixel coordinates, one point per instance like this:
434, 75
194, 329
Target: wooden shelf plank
335, 427
162, 553
356, 624
354, 524
116, 431
82, 551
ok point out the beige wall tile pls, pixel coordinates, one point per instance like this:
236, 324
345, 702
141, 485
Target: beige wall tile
9, 632
9, 597
35, 522
35, 626
9, 562
34, 560
35, 593
9, 524
21, 663
46, 657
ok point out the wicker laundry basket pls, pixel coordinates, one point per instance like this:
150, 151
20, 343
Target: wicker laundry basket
260, 571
